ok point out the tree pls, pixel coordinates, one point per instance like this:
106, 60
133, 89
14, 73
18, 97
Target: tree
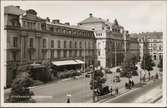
99, 80
147, 63
160, 65
129, 66
20, 92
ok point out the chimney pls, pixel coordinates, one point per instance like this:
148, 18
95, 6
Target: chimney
56, 21
18, 7
67, 23
90, 15
47, 19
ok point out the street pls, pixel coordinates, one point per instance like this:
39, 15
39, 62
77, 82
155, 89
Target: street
140, 95
79, 89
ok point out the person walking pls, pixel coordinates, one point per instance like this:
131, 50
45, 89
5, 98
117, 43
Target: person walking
116, 91
68, 98
111, 90
132, 83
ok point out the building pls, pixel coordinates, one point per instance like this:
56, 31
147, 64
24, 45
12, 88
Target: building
32, 39
151, 42
155, 46
112, 40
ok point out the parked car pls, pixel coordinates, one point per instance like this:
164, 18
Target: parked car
87, 75
117, 79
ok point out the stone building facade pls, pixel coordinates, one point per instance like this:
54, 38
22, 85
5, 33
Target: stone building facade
31, 39
152, 43
112, 41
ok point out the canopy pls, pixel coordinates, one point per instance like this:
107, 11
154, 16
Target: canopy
80, 62
67, 62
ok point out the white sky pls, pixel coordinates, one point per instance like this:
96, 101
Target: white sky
134, 16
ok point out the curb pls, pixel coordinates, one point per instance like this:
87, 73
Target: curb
156, 99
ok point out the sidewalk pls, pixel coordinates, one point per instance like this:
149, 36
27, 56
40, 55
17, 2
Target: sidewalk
123, 90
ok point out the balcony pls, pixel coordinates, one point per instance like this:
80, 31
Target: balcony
15, 49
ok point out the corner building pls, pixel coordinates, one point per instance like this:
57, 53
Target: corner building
112, 41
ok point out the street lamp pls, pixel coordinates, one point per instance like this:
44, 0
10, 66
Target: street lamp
93, 85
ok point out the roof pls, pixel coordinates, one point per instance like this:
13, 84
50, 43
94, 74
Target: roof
14, 10
149, 35
68, 26
91, 19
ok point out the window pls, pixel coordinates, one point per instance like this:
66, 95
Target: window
58, 43
85, 45
65, 53
58, 54
75, 44
52, 54
52, 43
31, 42
70, 44
15, 41
80, 53
154, 57
88, 44
70, 53
99, 52
44, 43
64, 44
51, 29
160, 57
80, 44
14, 56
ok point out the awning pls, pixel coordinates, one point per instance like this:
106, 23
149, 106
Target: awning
65, 62
80, 62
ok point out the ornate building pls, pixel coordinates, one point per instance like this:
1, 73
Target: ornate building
112, 41
31, 39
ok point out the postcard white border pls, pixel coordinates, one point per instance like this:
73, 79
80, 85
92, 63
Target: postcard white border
3, 64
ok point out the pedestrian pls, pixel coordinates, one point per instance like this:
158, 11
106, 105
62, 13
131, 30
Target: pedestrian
116, 91
132, 83
156, 75
68, 98
149, 75
126, 85
144, 78
111, 90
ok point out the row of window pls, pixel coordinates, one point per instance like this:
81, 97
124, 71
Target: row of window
66, 53
53, 28
155, 57
44, 43
32, 25
98, 34
69, 31
65, 44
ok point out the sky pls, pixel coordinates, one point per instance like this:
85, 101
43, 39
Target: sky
134, 16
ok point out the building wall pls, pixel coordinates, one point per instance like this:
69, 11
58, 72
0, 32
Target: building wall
26, 44
110, 43
155, 47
